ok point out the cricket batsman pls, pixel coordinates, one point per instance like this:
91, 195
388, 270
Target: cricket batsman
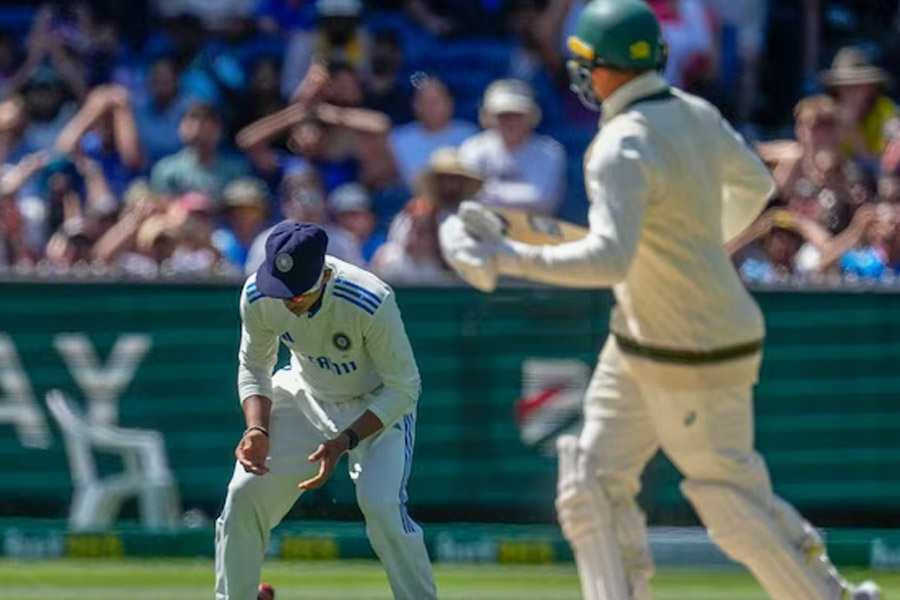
669, 181
351, 387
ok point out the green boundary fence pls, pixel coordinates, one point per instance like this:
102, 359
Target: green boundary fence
826, 408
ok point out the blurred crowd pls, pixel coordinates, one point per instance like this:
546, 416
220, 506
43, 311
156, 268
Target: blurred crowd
164, 138
837, 206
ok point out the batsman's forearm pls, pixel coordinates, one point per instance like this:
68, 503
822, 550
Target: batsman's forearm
592, 262
257, 410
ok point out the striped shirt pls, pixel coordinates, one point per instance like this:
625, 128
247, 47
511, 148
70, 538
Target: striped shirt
353, 344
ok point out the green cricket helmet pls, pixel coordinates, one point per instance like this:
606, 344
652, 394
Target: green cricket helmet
614, 34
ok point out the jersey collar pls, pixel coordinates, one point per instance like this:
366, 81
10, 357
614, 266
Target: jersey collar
644, 85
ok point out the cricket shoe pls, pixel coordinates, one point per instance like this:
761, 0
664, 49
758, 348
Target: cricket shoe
867, 590
267, 592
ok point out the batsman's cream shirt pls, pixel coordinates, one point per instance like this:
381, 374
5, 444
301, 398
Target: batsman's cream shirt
353, 344
668, 181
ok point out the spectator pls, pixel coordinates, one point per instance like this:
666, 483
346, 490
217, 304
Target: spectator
192, 217
200, 166
778, 246
52, 58
351, 209
447, 182
867, 249
263, 96
433, 128
378, 173
687, 29
155, 242
80, 223
104, 130
13, 123
303, 201
385, 91
521, 169
444, 185
413, 257
246, 203
867, 118
344, 86
159, 114
48, 108
17, 186
819, 182
14, 249
139, 204
889, 173
71, 245
340, 38
324, 136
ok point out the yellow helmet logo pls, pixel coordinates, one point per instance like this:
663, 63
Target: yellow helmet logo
639, 50
579, 48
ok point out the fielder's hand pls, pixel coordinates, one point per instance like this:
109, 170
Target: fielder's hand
252, 451
328, 452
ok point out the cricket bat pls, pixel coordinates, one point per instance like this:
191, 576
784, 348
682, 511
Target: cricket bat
538, 229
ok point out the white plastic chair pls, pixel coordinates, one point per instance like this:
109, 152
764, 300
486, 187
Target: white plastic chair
96, 501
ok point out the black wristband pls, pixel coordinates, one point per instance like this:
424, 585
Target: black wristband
264, 431
353, 436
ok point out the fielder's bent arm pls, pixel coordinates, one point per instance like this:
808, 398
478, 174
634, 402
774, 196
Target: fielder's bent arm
257, 355
389, 348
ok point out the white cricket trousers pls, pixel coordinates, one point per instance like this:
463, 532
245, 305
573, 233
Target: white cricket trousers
709, 436
379, 466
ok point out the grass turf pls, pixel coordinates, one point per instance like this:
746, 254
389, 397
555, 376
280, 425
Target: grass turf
348, 580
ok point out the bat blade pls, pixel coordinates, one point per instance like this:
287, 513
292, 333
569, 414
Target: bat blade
538, 229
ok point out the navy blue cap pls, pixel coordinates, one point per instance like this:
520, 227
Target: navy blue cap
295, 257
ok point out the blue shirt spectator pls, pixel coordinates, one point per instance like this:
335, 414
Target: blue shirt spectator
159, 115
200, 165
865, 263
414, 143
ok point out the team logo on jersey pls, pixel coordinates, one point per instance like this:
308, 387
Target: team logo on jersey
284, 262
341, 341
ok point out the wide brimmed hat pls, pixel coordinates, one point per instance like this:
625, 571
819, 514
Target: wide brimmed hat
246, 192
445, 161
851, 66
508, 96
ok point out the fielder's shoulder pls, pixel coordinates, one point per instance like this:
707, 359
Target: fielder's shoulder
356, 287
250, 294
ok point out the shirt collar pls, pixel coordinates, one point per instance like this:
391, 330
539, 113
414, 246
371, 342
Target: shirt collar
315, 308
643, 85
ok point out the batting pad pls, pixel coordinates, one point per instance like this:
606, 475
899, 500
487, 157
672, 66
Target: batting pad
585, 516
749, 534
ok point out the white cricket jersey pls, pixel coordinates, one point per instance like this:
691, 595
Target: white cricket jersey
668, 181
353, 344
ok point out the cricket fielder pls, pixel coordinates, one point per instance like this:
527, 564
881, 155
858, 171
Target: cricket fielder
351, 386
669, 181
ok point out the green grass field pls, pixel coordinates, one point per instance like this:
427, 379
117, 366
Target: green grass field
346, 580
